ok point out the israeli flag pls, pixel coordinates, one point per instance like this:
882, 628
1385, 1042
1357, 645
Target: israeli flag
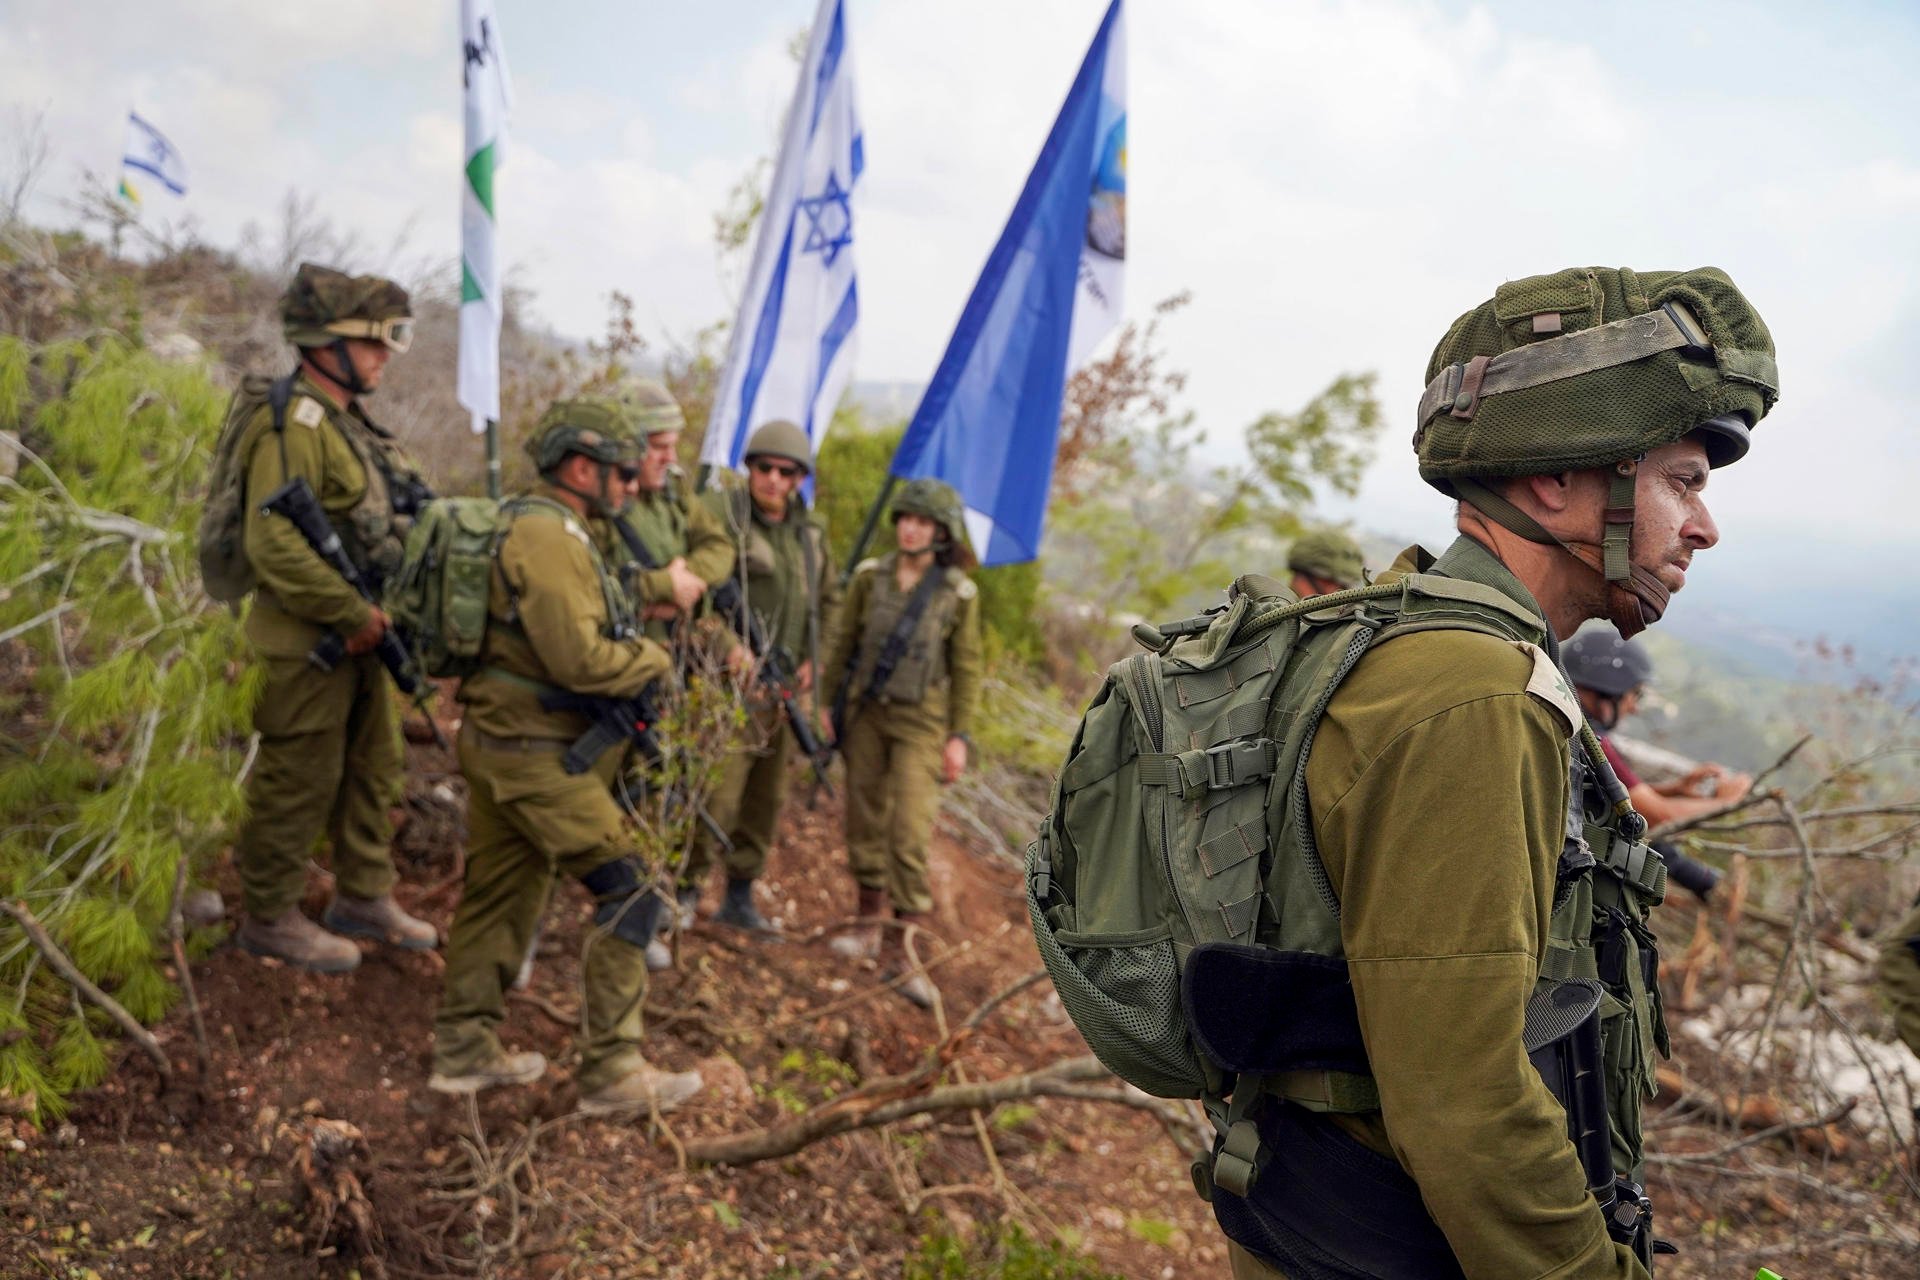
791, 354
1051, 290
149, 153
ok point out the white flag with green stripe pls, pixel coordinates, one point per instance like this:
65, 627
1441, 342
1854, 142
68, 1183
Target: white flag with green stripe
488, 99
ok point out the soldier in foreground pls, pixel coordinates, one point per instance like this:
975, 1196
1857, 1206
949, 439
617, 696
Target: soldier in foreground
904, 681
787, 581
330, 754
1575, 417
1324, 561
559, 622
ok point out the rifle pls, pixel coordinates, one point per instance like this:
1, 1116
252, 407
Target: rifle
775, 670
613, 721
295, 501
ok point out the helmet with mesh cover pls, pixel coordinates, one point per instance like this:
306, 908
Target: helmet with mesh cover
1594, 367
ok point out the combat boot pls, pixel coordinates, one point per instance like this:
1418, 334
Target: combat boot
644, 1089
738, 910
299, 941
862, 942
919, 987
380, 919
502, 1068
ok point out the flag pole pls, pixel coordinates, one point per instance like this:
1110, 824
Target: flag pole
866, 530
493, 459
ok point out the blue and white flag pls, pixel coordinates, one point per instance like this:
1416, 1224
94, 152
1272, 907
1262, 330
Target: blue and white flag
791, 354
990, 419
149, 161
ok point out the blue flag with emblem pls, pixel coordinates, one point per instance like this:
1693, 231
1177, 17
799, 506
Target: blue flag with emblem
990, 419
148, 161
791, 353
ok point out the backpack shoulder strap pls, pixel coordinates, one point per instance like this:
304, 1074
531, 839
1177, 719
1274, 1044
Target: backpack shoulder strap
279, 396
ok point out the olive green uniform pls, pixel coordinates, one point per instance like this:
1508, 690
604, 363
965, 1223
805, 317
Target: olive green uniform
894, 736
670, 523
1438, 784
1900, 977
330, 755
791, 587
555, 613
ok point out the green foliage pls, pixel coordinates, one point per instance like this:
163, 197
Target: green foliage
1009, 1255
120, 745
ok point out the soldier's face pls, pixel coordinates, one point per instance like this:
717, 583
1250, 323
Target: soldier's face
369, 360
1670, 518
913, 533
662, 448
772, 482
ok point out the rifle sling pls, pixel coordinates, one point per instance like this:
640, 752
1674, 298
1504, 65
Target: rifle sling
902, 634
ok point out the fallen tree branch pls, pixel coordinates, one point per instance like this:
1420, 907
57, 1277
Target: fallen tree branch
177, 940
63, 965
868, 1108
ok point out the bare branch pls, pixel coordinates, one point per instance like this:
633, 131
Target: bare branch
63, 965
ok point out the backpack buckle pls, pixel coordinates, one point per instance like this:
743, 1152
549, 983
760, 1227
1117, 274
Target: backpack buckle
1235, 764
1236, 1165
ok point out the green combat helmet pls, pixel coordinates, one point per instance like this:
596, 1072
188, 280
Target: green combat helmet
1327, 554
652, 407
936, 500
321, 306
779, 439
1593, 367
597, 427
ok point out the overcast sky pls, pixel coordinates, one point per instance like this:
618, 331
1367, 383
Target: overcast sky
1335, 181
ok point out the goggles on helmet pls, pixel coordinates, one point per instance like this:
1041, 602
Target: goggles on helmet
395, 332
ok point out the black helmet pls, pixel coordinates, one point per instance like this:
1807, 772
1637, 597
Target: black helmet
1601, 661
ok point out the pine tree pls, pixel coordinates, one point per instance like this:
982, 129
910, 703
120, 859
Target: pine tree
124, 691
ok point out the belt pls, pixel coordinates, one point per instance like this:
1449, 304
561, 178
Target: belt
526, 746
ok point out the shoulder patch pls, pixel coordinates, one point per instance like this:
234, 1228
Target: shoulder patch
307, 412
1550, 686
964, 587
868, 565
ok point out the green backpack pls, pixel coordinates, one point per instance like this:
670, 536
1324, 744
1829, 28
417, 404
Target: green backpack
225, 572
1185, 781
437, 598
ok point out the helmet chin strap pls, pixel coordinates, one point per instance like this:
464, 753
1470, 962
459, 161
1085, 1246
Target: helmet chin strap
1636, 599
348, 375
597, 504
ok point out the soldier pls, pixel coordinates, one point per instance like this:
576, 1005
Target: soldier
1451, 792
558, 621
1899, 972
687, 539
1323, 561
904, 680
789, 584
330, 755
1610, 674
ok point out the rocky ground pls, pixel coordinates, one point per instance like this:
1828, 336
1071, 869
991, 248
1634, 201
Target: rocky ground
312, 1147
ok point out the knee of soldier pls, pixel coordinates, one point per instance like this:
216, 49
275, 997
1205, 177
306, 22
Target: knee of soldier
623, 906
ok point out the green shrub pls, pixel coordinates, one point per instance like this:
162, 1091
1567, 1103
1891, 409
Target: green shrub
1009, 1254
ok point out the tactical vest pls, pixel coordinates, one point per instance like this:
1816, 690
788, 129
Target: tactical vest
373, 532
1185, 821
924, 664
789, 608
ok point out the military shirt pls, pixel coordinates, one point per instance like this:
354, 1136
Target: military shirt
785, 571
549, 627
345, 460
1438, 785
670, 523
940, 670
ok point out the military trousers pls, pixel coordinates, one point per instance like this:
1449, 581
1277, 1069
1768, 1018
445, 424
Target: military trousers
529, 821
746, 800
329, 763
1899, 974
893, 754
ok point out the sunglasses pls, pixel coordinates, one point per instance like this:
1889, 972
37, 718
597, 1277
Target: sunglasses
786, 470
629, 471
396, 333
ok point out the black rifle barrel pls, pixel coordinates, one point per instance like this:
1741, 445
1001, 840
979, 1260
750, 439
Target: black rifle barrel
295, 502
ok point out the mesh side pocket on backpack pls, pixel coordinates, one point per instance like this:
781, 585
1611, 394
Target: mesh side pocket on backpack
1123, 993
